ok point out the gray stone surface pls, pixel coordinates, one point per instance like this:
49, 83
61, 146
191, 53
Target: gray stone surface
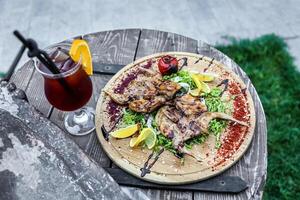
207, 20
38, 161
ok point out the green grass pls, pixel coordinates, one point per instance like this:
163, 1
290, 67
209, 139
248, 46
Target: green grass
1, 74
270, 68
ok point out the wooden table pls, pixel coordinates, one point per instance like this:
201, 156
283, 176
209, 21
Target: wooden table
123, 47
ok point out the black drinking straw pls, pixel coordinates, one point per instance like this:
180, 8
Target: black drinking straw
34, 51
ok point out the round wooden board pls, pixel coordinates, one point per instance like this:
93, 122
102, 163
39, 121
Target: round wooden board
168, 169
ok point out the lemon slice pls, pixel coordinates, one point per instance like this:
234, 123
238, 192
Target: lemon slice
145, 133
197, 81
200, 84
80, 49
151, 140
205, 77
205, 87
195, 92
125, 132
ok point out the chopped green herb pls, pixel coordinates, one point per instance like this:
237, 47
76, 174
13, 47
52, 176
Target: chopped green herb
216, 126
196, 140
214, 103
166, 143
181, 76
130, 117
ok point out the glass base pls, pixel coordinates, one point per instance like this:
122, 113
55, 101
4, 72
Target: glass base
80, 122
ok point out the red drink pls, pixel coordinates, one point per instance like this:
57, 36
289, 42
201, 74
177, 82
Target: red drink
69, 90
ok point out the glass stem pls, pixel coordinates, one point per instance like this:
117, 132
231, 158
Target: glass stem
80, 116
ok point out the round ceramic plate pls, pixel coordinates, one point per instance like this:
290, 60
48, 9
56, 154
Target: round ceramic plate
169, 169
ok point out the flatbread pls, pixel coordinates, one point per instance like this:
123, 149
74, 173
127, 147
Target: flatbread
169, 169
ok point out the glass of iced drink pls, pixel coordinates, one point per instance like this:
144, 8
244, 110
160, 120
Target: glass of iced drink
69, 90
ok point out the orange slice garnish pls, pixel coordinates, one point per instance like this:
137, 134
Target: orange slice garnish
80, 49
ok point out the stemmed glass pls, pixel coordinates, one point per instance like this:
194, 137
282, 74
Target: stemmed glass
69, 90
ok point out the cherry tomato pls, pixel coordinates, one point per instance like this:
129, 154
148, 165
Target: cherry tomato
167, 65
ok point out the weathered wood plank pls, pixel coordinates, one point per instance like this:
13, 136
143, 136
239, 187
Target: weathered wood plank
111, 47
118, 47
50, 163
36, 94
22, 76
255, 158
151, 42
88, 143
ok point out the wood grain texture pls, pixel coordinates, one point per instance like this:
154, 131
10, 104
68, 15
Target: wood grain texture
166, 169
252, 167
110, 47
152, 41
118, 47
36, 95
22, 77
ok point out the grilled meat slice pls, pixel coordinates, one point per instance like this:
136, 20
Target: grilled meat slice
147, 92
172, 113
176, 126
180, 127
144, 88
166, 126
205, 118
147, 105
144, 85
190, 105
168, 89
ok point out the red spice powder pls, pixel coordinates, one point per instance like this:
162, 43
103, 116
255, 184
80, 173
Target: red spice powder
234, 88
236, 132
240, 110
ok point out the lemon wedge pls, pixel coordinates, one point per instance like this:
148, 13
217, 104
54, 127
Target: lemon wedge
80, 49
206, 77
147, 135
205, 87
125, 132
151, 140
195, 92
202, 87
197, 81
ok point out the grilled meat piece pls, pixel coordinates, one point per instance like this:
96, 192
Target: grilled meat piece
147, 105
145, 85
173, 114
144, 88
147, 92
168, 89
205, 118
190, 105
180, 128
177, 126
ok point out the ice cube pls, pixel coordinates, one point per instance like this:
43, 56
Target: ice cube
59, 56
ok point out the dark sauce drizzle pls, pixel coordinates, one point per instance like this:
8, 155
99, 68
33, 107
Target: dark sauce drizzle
179, 155
225, 83
146, 169
244, 91
210, 63
183, 64
198, 60
105, 133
